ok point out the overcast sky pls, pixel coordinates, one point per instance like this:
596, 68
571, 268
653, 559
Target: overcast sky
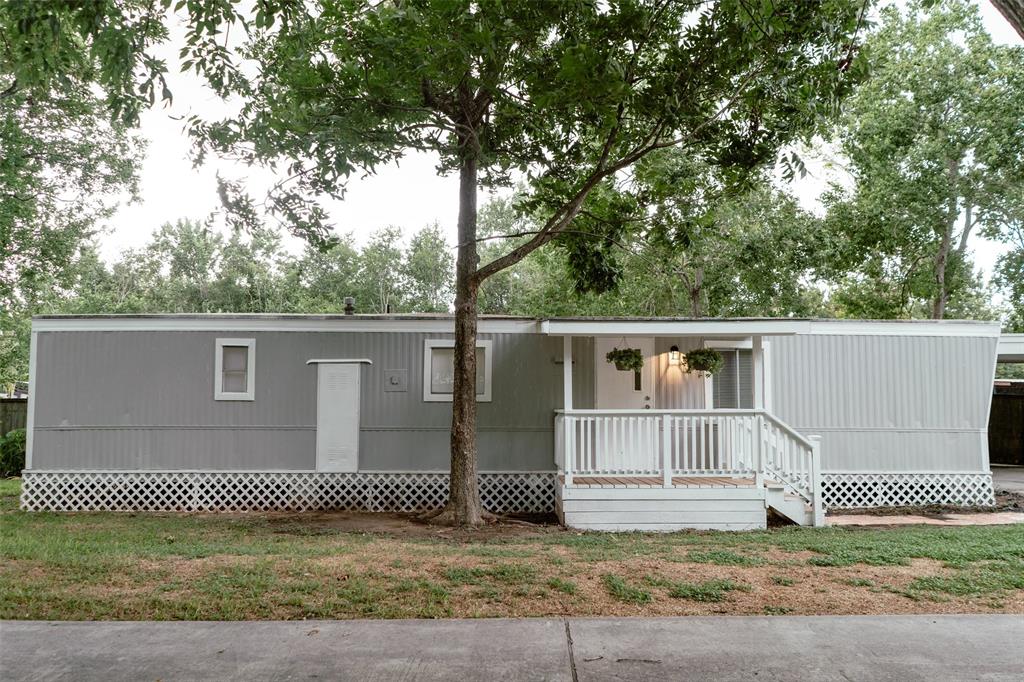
409, 195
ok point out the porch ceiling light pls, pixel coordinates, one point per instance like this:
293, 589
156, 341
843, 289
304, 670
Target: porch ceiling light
673, 355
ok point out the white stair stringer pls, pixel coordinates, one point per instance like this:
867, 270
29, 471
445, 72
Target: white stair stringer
793, 507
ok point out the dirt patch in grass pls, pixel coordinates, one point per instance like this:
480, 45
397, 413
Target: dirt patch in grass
292, 566
408, 526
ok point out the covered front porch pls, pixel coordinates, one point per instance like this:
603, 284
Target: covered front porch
665, 449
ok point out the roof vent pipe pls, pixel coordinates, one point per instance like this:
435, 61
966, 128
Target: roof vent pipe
350, 305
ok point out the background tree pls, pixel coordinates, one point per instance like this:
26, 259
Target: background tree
1009, 272
192, 254
935, 145
429, 270
323, 278
718, 248
689, 252
379, 282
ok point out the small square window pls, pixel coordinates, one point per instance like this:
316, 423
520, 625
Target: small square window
439, 370
234, 369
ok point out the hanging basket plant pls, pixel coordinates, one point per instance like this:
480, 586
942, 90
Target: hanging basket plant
706, 360
626, 359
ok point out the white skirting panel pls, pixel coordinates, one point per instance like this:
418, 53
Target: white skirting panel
240, 491
662, 509
906, 489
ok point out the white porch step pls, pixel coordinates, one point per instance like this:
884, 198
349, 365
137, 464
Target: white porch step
661, 509
792, 507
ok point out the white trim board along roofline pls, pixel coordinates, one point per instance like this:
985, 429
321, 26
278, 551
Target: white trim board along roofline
444, 324
1011, 348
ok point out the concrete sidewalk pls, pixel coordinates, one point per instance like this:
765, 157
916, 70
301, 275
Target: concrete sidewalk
726, 648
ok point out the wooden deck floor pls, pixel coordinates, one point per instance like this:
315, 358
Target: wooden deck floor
655, 482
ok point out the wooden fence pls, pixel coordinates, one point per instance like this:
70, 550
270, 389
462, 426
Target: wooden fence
1006, 425
13, 412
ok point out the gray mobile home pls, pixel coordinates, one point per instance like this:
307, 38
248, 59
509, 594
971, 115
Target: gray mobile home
260, 412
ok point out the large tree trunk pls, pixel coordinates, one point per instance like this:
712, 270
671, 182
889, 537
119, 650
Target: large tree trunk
942, 257
464, 507
697, 294
1013, 10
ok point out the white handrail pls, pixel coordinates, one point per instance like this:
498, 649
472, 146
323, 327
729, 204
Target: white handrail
694, 442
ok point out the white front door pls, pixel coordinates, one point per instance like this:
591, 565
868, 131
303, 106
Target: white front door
337, 417
616, 390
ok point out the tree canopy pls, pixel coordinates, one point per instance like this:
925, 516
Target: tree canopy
64, 168
935, 149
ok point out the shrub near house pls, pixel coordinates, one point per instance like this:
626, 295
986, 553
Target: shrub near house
12, 453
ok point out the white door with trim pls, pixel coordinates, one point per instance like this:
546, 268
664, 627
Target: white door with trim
337, 417
619, 390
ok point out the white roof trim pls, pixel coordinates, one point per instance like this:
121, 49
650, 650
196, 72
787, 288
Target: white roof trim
1011, 348
718, 328
725, 329
905, 328
241, 324
340, 361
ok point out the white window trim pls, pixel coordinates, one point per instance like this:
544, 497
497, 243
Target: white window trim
250, 370
429, 345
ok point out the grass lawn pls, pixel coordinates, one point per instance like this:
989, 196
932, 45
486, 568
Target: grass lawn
288, 566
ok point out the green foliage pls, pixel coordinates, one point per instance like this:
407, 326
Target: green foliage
429, 270
753, 254
708, 591
986, 579
723, 558
1009, 276
50, 46
707, 360
562, 585
1010, 370
623, 591
626, 359
63, 169
505, 85
773, 610
12, 453
507, 574
933, 143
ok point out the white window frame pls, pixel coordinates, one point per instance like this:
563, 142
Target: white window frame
745, 344
428, 349
250, 370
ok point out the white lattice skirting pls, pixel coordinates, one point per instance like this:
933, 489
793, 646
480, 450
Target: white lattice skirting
900, 490
504, 493
238, 491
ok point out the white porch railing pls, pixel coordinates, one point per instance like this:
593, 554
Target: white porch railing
666, 443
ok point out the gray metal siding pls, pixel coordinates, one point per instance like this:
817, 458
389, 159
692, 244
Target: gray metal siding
582, 373
887, 403
111, 400
134, 399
